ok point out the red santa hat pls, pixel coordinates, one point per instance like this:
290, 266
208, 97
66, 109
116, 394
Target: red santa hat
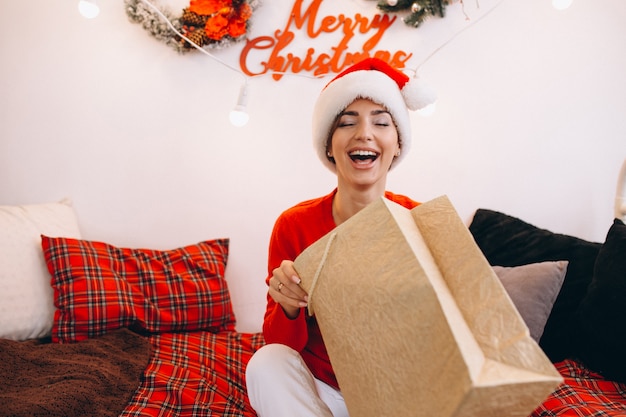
378, 81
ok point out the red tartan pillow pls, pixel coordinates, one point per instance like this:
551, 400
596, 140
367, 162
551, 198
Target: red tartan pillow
99, 287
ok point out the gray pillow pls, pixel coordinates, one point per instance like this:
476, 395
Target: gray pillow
533, 288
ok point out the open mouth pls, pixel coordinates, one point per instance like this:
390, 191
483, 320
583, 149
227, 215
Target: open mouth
362, 156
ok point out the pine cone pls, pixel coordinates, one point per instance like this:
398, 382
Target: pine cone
197, 36
193, 19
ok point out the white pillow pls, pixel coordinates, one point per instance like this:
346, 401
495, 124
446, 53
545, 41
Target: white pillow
26, 296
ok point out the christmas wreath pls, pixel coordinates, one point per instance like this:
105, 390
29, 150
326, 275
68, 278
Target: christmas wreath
206, 23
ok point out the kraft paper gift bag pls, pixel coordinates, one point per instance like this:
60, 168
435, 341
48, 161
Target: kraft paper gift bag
416, 322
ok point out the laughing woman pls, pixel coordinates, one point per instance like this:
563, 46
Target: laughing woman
361, 129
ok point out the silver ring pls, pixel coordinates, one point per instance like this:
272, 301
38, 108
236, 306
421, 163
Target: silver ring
280, 286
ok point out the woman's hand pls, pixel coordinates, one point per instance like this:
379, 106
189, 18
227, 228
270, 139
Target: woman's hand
285, 289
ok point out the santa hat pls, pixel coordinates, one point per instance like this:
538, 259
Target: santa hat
378, 81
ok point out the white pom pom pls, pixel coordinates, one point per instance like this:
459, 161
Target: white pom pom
418, 94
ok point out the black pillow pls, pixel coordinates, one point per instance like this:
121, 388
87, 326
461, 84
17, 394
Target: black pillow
602, 313
509, 241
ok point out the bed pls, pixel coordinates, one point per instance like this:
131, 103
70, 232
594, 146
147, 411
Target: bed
88, 328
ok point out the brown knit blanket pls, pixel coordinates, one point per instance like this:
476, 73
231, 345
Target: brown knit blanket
96, 377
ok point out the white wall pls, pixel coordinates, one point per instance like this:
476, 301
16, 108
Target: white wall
530, 121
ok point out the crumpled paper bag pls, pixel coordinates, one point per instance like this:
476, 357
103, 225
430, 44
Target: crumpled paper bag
416, 322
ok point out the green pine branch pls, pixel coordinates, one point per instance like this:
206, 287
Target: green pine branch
425, 9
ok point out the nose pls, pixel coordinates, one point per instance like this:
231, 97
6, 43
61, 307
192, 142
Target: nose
365, 131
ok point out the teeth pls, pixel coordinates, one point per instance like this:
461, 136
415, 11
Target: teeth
362, 153
362, 156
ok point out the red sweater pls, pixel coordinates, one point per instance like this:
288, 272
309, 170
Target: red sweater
295, 230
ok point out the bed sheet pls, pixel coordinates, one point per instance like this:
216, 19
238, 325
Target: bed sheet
583, 393
196, 374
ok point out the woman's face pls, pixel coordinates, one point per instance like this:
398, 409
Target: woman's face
364, 144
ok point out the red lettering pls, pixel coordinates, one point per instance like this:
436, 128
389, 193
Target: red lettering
341, 57
328, 22
382, 23
262, 42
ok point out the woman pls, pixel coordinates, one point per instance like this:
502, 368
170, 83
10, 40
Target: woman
361, 130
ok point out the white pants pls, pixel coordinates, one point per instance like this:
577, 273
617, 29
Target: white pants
281, 385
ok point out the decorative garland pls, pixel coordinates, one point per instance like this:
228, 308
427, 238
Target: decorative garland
207, 23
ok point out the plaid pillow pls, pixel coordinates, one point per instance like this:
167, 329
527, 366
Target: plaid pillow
99, 287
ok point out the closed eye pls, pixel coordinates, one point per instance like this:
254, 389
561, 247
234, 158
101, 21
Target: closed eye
380, 118
346, 120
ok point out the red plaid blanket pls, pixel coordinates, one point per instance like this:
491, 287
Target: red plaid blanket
583, 394
196, 374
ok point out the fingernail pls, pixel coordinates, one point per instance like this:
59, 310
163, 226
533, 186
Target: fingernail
296, 279
302, 304
306, 298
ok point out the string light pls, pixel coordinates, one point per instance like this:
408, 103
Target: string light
239, 115
88, 8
